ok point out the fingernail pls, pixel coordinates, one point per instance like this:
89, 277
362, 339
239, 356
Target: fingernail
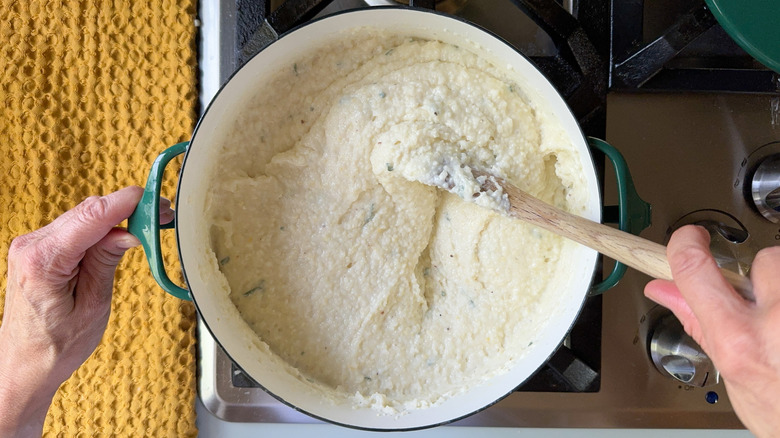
127, 242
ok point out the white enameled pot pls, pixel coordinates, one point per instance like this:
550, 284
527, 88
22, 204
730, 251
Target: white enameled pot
568, 289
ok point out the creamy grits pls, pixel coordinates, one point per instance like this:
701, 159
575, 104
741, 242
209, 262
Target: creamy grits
368, 282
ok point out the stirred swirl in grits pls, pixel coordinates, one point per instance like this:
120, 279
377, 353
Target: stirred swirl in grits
365, 280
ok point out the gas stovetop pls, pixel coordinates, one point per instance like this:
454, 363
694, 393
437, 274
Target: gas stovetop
694, 117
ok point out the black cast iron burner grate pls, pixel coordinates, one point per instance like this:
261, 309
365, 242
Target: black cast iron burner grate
690, 53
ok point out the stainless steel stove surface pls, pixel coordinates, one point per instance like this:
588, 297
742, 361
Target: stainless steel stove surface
693, 125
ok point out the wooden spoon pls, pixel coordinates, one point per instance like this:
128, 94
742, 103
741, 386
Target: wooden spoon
641, 254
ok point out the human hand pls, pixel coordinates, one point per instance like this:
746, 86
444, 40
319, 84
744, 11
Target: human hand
739, 336
57, 303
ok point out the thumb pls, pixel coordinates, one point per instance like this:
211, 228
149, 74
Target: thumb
96, 276
665, 293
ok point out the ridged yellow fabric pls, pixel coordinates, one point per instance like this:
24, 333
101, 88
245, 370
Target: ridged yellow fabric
91, 92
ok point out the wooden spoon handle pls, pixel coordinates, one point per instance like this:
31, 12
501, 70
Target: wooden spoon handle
641, 254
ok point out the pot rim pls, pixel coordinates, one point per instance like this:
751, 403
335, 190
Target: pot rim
376, 9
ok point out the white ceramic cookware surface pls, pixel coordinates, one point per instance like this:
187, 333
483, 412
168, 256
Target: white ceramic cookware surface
566, 293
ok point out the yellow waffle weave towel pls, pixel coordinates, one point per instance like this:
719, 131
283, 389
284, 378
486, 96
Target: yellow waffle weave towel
91, 92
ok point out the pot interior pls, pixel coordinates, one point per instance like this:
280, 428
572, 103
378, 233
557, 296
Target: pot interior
557, 312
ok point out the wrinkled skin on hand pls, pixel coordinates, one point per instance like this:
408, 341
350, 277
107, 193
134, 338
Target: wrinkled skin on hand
741, 338
57, 304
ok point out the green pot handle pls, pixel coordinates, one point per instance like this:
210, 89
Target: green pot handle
632, 214
144, 223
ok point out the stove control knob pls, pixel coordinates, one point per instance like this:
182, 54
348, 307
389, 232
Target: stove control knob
765, 188
677, 355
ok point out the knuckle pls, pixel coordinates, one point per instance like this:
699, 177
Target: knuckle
18, 245
688, 261
33, 256
42, 260
28, 264
767, 258
92, 208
